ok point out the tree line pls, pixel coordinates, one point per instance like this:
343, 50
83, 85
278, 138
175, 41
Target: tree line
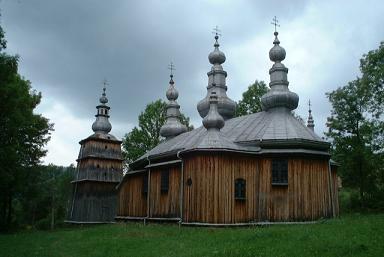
37, 195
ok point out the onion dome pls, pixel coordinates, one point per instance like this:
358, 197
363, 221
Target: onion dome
101, 124
279, 95
217, 56
310, 121
217, 83
172, 126
213, 120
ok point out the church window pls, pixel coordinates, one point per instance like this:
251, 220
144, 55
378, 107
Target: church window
145, 184
240, 189
164, 181
279, 172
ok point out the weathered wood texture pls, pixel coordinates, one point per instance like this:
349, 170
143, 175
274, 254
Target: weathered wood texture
93, 202
103, 149
99, 169
210, 197
165, 204
335, 189
132, 202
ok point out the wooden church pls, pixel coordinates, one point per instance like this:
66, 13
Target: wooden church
99, 170
262, 167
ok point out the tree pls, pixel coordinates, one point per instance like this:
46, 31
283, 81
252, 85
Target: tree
23, 134
356, 130
251, 101
147, 135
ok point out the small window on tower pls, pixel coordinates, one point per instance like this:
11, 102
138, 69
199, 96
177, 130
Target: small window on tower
164, 181
106, 147
106, 112
280, 172
240, 189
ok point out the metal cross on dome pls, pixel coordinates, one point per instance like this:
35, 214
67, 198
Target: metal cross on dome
275, 22
216, 31
105, 83
171, 67
309, 104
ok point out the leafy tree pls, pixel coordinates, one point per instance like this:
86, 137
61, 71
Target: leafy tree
251, 102
23, 134
45, 204
356, 130
147, 135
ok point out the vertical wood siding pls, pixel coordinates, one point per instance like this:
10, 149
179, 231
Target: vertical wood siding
335, 190
94, 201
165, 204
210, 198
131, 200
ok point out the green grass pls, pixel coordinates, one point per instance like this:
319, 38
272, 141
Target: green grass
351, 235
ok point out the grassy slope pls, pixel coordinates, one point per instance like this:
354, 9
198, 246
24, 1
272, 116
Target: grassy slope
352, 235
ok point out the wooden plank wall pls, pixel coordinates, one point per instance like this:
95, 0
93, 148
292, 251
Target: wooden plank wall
335, 190
94, 202
100, 169
165, 204
210, 198
307, 196
131, 200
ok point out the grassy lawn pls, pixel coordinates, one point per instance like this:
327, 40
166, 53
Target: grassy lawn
351, 235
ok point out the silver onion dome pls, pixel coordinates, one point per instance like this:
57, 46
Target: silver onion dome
216, 56
172, 126
217, 83
279, 95
102, 124
277, 53
213, 120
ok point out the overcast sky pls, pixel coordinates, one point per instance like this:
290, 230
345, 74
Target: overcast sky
68, 47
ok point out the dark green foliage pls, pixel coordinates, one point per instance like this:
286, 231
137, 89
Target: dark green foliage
351, 235
147, 134
356, 129
23, 135
45, 201
251, 101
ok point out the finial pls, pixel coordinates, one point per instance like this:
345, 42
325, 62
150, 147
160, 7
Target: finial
309, 106
103, 98
310, 122
105, 83
217, 32
275, 22
171, 67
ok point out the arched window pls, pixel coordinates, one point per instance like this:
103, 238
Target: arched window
240, 189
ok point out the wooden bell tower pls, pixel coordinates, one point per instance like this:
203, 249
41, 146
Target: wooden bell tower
99, 170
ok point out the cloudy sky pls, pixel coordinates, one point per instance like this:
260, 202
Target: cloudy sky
68, 47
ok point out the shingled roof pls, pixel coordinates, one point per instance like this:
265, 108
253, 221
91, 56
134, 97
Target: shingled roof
275, 129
